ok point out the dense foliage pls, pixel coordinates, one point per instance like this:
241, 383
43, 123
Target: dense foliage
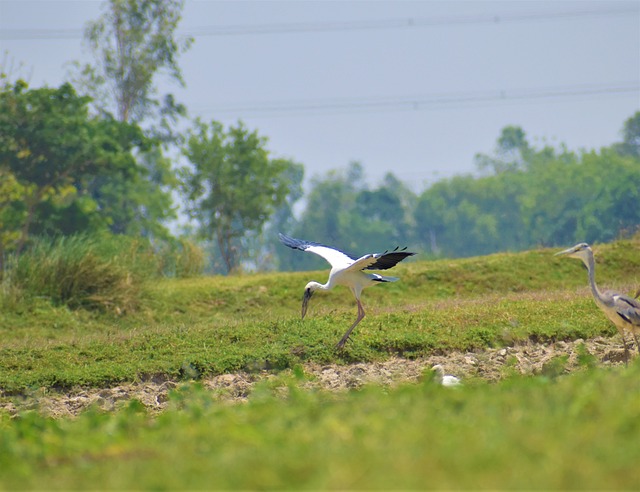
232, 186
64, 171
522, 197
58, 166
551, 198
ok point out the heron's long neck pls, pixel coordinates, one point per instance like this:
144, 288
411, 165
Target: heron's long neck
591, 270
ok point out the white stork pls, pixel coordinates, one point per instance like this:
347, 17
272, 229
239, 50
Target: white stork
347, 271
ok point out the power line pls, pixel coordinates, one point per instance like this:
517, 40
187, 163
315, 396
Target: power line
419, 103
407, 23
306, 27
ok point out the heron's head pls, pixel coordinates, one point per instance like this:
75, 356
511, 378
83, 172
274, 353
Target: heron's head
581, 251
309, 289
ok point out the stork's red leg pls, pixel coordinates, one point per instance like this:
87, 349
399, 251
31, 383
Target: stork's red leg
345, 337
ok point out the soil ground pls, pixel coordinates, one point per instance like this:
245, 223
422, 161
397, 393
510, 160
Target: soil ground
490, 365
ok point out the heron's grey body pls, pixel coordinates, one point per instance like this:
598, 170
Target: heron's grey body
346, 271
623, 311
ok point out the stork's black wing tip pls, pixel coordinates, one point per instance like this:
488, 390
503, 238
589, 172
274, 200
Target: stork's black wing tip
292, 242
286, 240
390, 259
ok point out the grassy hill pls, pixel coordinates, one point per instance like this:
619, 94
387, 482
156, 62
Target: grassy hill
206, 326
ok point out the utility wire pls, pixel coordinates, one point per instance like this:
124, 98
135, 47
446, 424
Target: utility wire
305, 27
418, 103
405, 23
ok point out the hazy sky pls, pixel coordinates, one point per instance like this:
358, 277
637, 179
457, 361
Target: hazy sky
415, 87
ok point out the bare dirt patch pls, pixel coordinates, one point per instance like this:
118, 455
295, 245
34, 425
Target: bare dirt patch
490, 365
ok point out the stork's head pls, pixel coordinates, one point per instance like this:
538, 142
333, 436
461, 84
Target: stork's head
581, 251
309, 289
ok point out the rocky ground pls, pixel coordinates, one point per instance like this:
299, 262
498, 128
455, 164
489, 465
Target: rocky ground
491, 365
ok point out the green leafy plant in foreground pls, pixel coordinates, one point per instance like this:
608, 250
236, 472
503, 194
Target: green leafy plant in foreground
570, 432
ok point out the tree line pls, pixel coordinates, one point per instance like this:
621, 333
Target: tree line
521, 197
100, 155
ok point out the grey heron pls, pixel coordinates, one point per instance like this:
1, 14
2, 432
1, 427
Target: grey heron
623, 311
347, 271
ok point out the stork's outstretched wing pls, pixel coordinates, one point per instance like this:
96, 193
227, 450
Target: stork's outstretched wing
335, 257
388, 260
378, 261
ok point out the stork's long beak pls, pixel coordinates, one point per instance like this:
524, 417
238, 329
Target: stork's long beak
305, 301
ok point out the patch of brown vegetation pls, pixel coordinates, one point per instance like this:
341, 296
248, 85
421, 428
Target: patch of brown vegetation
489, 365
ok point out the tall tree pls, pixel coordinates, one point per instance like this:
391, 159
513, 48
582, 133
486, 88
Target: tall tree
630, 144
282, 220
232, 186
134, 41
511, 153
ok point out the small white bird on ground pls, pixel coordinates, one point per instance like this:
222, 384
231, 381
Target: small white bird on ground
347, 271
445, 379
623, 311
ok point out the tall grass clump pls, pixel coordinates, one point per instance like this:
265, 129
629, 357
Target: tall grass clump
181, 258
96, 273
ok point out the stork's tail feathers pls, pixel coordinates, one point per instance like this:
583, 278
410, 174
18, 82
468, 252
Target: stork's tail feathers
382, 278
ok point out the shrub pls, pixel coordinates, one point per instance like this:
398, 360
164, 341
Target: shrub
104, 273
182, 258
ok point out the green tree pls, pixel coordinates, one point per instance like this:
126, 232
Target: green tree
135, 201
282, 220
132, 42
630, 144
344, 212
460, 216
11, 213
57, 161
381, 217
322, 220
512, 152
534, 197
232, 185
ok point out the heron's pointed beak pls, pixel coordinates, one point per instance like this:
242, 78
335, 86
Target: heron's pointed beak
566, 251
305, 301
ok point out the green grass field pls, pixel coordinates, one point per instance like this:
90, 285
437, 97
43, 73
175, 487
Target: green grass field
538, 432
